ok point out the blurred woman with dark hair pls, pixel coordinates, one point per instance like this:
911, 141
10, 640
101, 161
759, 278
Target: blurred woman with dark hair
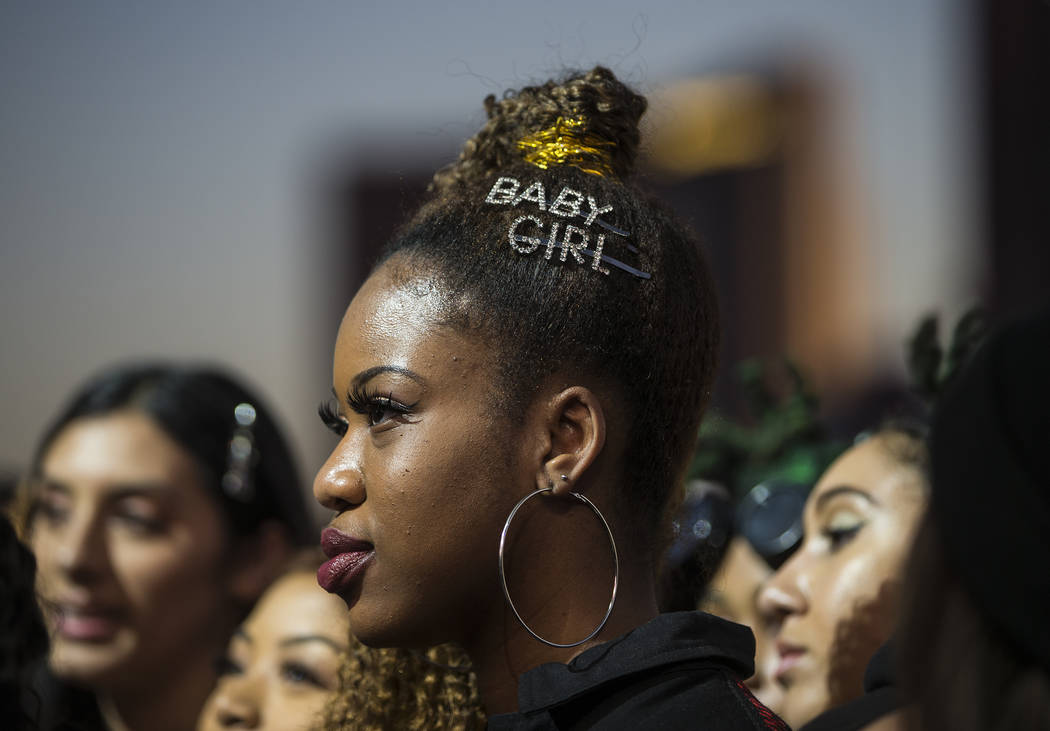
974, 643
163, 500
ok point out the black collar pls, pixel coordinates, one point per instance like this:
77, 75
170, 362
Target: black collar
668, 639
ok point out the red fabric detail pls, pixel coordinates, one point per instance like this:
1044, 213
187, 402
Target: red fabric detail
769, 719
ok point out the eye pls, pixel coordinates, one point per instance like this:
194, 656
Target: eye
377, 408
299, 674
841, 528
382, 408
226, 665
137, 523
138, 514
329, 413
50, 510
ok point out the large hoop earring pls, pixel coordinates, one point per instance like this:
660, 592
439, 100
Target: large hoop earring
503, 576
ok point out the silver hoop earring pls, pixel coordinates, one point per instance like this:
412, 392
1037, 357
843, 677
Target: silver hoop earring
503, 576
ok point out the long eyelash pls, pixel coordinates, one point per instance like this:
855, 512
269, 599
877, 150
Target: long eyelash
362, 401
328, 410
840, 538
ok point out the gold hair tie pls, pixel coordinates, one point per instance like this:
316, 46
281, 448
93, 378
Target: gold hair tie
567, 144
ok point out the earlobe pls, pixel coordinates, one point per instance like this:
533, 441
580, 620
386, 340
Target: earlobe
576, 424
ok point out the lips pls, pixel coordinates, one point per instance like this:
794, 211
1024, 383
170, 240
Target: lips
348, 558
86, 624
790, 657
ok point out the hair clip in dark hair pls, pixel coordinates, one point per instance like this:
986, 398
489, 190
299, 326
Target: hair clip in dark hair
237, 481
569, 204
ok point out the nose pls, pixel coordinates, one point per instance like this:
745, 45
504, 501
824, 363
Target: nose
80, 550
236, 704
784, 593
339, 485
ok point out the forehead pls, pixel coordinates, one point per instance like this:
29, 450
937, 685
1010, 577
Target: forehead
393, 301
871, 468
402, 320
296, 606
123, 446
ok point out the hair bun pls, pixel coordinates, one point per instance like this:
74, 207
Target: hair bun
609, 110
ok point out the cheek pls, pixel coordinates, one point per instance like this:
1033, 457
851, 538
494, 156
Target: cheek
865, 568
295, 708
43, 552
860, 612
168, 576
430, 476
849, 581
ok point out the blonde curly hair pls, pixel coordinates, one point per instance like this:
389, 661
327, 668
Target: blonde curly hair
403, 689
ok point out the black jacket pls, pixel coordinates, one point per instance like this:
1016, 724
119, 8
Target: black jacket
682, 670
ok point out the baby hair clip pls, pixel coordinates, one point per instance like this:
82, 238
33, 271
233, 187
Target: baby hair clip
575, 239
528, 244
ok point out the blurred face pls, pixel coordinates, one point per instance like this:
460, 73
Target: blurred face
423, 475
283, 663
834, 600
129, 546
733, 595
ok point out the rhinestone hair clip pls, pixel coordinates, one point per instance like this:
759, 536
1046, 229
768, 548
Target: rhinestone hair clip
237, 481
562, 216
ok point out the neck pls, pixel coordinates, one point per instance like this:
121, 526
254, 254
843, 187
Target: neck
504, 650
170, 705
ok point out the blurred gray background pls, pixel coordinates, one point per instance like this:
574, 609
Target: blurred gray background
163, 164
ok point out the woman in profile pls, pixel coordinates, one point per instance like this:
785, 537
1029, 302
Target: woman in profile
518, 386
163, 500
834, 602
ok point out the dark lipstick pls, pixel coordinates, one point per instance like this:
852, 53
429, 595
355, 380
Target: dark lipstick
348, 558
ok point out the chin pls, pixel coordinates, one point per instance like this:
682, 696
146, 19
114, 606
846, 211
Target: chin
387, 635
801, 704
92, 666
390, 626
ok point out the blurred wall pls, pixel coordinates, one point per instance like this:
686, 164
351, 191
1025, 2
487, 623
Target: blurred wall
161, 162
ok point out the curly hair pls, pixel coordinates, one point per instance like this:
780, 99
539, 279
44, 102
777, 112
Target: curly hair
394, 688
651, 340
23, 637
611, 109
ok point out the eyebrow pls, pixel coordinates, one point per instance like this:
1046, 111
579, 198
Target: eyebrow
299, 639
844, 490
367, 375
121, 491
46, 483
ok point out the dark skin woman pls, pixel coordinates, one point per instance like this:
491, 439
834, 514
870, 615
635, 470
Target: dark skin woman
540, 331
